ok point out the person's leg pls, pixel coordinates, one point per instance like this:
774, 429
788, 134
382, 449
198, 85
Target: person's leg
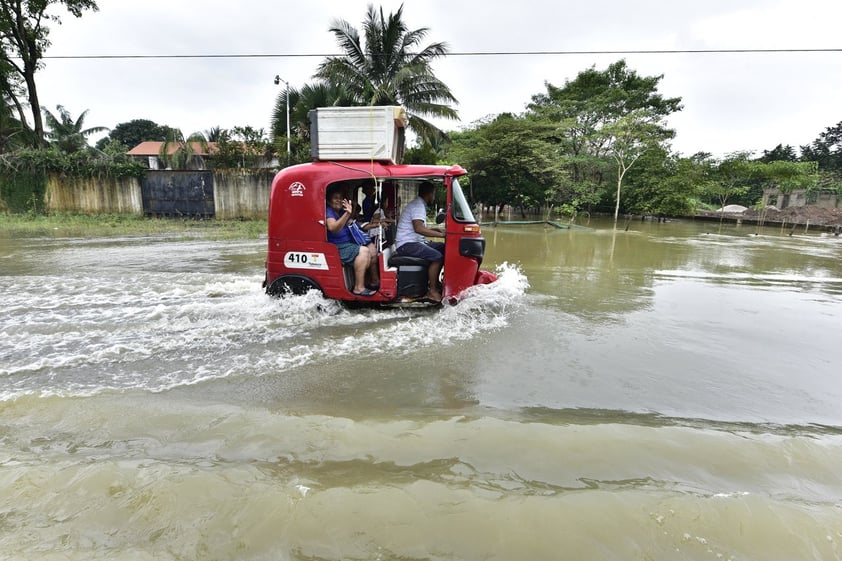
433, 271
432, 252
428, 251
438, 246
374, 265
361, 263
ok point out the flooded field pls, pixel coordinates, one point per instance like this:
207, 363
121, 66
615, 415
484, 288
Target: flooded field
667, 392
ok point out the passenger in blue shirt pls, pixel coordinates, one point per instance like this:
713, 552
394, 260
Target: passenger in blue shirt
362, 257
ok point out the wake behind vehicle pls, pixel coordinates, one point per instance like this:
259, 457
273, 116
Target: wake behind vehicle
300, 257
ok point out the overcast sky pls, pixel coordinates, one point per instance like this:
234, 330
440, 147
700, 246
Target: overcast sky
743, 101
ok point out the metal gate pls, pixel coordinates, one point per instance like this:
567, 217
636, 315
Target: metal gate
178, 193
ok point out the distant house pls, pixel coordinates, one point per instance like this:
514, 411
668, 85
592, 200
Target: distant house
148, 153
825, 198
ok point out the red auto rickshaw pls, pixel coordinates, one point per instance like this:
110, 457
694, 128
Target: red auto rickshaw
300, 258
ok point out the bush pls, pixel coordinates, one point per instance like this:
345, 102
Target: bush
23, 192
23, 173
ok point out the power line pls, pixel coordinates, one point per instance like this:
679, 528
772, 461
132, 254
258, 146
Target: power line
459, 54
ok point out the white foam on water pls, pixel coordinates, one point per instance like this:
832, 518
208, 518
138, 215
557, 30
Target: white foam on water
83, 335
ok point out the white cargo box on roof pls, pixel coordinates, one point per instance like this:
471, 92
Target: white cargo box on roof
358, 133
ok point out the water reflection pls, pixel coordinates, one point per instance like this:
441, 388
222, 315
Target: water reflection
675, 320
600, 272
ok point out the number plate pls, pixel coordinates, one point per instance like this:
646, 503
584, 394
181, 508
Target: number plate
304, 260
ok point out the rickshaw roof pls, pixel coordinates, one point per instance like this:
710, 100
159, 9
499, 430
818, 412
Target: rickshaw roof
326, 172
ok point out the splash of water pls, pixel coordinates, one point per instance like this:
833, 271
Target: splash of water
85, 336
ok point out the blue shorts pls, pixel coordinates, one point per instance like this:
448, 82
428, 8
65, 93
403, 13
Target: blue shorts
348, 252
431, 251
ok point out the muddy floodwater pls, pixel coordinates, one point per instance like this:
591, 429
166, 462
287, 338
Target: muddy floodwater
666, 392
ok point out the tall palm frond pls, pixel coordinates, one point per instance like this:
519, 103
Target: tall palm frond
213, 134
301, 102
66, 133
178, 152
390, 68
13, 133
14, 129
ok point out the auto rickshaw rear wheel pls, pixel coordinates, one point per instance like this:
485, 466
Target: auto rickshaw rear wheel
291, 284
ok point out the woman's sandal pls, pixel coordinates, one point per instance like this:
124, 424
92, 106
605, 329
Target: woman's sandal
364, 292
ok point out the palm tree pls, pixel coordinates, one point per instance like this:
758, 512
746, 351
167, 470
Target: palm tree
301, 102
387, 69
178, 152
66, 133
214, 134
14, 130
13, 133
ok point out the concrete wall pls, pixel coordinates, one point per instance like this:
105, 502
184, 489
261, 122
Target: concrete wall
827, 199
824, 198
242, 193
93, 195
236, 193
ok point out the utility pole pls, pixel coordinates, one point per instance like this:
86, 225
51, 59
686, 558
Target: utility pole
278, 80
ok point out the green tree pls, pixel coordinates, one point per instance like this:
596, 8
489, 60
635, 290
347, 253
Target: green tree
427, 151
732, 177
132, 133
389, 67
779, 153
591, 103
178, 152
666, 184
242, 147
826, 149
628, 138
214, 134
511, 161
301, 102
24, 36
788, 176
13, 132
65, 133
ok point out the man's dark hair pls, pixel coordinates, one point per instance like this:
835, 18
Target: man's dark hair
426, 187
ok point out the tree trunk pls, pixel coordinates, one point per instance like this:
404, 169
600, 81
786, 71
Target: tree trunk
37, 121
24, 37
21, 112
619, 186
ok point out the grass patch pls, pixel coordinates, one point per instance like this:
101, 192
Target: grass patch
105, 225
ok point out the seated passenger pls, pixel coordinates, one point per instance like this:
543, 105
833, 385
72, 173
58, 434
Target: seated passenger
362, 257
371, 215
410, 239
369, 205
377, 227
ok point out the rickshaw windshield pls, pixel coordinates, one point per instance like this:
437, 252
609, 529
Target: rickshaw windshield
461, 208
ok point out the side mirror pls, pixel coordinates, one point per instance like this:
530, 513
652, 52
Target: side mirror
440, 217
